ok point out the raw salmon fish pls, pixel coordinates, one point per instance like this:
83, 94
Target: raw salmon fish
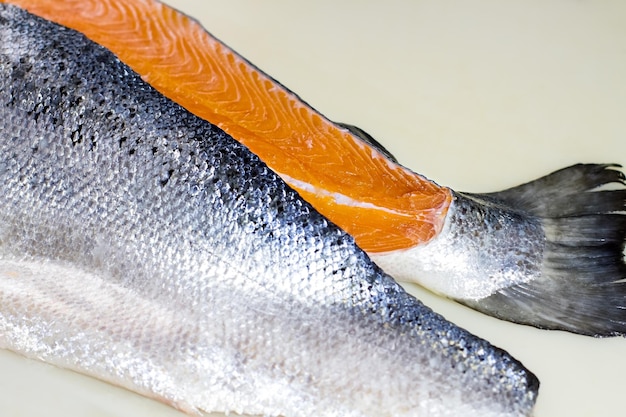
547, 254
144, 246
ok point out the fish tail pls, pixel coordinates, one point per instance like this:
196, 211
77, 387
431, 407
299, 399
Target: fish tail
582, 282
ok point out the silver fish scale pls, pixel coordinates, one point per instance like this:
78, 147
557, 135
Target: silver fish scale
144, 246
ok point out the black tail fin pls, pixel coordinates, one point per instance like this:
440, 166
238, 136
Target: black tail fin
582, 288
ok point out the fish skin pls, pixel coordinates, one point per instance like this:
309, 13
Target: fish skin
142, 245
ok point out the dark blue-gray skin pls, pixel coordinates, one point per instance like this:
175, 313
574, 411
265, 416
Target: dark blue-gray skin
144, 246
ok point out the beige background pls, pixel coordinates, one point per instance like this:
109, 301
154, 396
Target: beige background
478, 95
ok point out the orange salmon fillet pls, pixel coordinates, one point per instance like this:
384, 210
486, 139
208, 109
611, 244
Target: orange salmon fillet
385, 206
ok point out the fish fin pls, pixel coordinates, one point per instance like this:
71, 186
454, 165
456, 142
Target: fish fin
582, 287
571, 191
367, 138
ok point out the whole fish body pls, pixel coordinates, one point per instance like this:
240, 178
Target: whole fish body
548, 253
142, 245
